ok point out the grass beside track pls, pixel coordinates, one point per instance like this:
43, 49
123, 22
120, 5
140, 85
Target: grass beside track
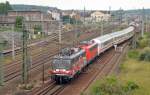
137, 71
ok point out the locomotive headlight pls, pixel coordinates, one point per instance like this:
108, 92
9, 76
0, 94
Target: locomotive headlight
57, 69
67, 71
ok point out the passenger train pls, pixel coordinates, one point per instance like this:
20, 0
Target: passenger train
71, 61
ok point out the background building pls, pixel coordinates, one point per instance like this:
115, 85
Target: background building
98, 16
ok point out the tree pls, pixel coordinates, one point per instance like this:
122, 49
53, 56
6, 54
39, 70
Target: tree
19, 23
2, 8
8, 6
5, 7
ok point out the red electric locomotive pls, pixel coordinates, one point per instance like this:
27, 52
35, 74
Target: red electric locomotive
90, 49
67, 64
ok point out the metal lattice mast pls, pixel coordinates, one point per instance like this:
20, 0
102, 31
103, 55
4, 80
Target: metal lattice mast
25, 58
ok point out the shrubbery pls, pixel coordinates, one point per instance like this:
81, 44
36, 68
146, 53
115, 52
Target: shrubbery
144, 41
113, 86
133, 54
145, 54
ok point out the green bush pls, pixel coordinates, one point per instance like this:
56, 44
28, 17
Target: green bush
113, 86
147, 35
130, 86
133, 54
143, 43
145, 54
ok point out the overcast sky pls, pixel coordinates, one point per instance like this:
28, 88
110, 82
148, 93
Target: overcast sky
89, 4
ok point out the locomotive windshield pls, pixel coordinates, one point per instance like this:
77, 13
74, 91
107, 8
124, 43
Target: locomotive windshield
61, 64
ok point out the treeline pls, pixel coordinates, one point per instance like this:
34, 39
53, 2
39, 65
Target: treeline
4, 8
21, 7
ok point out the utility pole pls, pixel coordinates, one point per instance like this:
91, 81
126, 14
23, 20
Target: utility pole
84, 19
60, 26
59, 34
102, 27
120, 15
143, 22
126, 20
13, 44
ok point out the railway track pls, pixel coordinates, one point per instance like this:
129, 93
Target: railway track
54, 89
38, 59
87, 36
31, 47
107, 68
100, 68
49, 88
14, 70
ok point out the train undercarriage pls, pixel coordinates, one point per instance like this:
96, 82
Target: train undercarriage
61, 79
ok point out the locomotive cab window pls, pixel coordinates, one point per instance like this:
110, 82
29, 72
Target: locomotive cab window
61, 64
93, 47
